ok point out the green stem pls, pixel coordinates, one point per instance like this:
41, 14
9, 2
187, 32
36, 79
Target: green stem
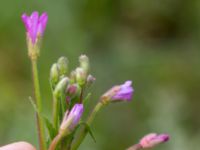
40, 126
84, 130
55, 112
135, 147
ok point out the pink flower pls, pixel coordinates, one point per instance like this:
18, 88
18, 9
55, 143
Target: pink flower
153, 139
35, 25
72, 118
123, 92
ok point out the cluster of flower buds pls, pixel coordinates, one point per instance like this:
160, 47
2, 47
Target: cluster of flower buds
68, 89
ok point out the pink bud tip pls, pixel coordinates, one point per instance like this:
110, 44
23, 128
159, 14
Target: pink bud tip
153, 139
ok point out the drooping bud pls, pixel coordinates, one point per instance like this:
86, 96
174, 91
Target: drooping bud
54, 75
63, 65
35, 26
61, 86
84, 63
81, 76
122, 92
90, 80
71, 119
153, 139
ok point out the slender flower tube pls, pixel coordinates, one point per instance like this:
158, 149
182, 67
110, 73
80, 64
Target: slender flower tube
153, 139
71, 119
122, 92
35, 26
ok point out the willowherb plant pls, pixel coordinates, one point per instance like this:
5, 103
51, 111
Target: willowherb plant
69, 96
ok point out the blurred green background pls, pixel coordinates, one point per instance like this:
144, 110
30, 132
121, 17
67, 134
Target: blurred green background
155, 43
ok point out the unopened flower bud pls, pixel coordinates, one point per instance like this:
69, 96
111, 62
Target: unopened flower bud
84, 63
54, 75
90, 79
153, 139
80, 76
122, 92
73, 77
73, 89
63, 65
71, 119
61, 86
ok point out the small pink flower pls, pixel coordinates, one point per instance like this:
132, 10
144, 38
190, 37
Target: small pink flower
35, 25
153, 139
123, 92
72, 118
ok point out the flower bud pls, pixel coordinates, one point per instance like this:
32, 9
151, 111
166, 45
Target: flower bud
73, 89
54, 75
63, 65
73, 77
153, 139
80, 76
122, 92
71, 119
84, 63
61, 86
90, 79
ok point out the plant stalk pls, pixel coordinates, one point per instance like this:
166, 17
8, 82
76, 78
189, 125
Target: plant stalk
40, 127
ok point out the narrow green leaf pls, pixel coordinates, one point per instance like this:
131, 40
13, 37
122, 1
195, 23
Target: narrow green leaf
89, 130
51, 130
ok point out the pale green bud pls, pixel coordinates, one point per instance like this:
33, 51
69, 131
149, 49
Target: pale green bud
61, 86
81, 76
84, 63
54, 75
63, 65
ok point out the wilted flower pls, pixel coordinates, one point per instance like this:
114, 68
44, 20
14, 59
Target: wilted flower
122, 92
71, 119
35, 25
153, 139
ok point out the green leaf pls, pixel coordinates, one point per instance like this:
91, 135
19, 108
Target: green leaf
89, 130
51, 130
85, 101
34, 105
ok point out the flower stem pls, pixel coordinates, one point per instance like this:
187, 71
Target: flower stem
135, 147
55, 112
84, 130
40, 126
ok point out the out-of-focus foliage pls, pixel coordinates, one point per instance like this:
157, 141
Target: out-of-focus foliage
155, 43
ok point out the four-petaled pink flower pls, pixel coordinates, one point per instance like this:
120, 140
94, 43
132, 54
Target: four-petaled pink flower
35, 25
153, 139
